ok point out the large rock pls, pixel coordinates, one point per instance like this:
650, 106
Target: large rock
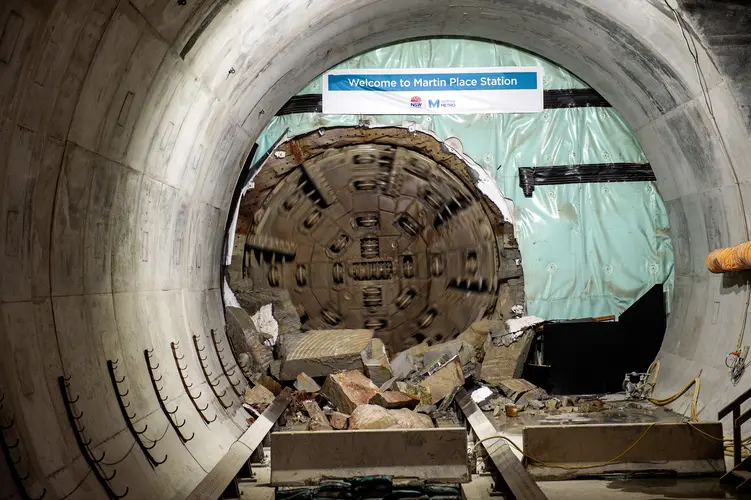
339, 420
442, 382
258, 397
245, 338
408, 419
371, 417
393, 400
503, 362
377, 417
376, 362
321, 352
318, 420
348, 390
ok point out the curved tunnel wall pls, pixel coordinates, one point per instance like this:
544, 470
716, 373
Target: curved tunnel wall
118, 159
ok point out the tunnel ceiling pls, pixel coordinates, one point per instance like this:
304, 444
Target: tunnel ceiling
120, 151
376, 235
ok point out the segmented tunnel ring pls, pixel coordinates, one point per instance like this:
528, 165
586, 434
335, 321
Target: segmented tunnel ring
380, 229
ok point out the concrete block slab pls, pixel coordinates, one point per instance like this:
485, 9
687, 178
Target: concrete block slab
435, 455
673, 447
321, 352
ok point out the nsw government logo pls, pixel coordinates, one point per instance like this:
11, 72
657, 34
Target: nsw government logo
416, 101
438, 103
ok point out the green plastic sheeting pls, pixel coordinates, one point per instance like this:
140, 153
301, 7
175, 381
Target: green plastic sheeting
587, 249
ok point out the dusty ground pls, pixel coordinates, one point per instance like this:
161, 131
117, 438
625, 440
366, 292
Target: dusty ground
617, 410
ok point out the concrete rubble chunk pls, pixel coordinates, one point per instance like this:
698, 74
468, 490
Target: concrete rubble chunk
514, 325
591, 406
339, 420
377, 417
318, 420
304, 383
504, 362
537, 394
394, 400
258, 397
553, 403
417, 391
376, 362
244, 335
536, 404
371, 417
513, 388
322, 352
442, 382
268, 382
478, 332
348, 390
408, 361
464, 351
408, 419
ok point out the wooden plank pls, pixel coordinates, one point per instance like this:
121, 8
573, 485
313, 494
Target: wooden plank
213, 485
511, 469
668, 446
435, 455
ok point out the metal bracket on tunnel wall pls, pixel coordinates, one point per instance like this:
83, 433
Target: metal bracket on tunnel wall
227, 373
13, 463
171, 415
207, 374
529, 177
187, 385
83, 443
137, 435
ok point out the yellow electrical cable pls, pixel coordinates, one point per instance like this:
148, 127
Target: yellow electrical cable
569, 467
653, 371
592, 466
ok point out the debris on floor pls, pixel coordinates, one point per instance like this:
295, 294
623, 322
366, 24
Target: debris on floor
305, 383
393, 400
258, 397
376, 362
339, 421
318, 420
347, 390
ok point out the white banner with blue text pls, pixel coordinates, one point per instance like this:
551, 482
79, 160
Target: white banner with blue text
433, 91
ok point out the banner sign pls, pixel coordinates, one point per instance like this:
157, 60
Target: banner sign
433, 91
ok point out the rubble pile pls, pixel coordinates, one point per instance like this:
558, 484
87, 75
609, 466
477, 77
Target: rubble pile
347, 379
376, 487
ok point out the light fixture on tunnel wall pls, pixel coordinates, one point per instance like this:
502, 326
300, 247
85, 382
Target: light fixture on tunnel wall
378, 228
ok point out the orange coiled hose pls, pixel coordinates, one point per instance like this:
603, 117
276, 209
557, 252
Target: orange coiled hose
723, 260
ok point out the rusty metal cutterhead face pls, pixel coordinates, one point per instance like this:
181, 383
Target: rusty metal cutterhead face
379, 237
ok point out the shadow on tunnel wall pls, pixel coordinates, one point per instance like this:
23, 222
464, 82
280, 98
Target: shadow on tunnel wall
591, 357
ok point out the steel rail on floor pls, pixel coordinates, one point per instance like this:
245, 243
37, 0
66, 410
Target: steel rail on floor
222, 481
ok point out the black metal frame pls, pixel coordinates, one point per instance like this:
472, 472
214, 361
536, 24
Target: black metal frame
227, 373
171, 417
83, 443
187, 385
529, 177
137, 435
207, 374
18, 479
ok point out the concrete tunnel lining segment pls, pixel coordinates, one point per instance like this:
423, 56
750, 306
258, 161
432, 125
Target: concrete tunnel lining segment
119, 159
